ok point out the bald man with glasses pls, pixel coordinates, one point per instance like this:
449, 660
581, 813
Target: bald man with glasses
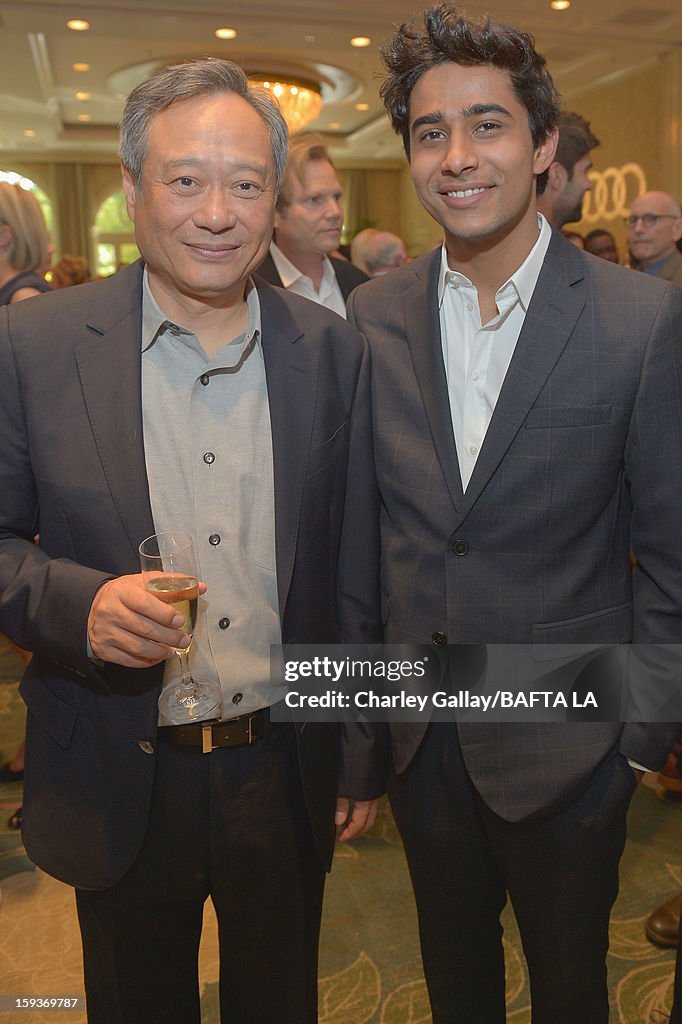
654, 228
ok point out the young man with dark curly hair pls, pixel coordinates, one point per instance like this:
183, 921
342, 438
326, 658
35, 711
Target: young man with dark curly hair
527, 428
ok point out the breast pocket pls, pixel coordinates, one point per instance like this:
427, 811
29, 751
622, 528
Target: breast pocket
562, 416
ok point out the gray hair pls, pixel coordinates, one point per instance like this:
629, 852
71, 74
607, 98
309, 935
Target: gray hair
188, 81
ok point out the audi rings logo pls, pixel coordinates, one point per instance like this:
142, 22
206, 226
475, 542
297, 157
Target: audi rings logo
612, 192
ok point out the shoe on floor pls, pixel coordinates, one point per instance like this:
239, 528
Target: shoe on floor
663, 926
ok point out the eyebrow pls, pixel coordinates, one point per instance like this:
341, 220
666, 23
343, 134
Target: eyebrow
474, 110
192, 161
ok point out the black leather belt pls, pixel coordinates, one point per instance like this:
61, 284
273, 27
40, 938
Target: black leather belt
208, 735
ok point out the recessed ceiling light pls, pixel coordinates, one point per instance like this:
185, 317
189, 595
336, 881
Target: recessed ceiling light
77, 25
309, 38
335, 124
29, 133
362, 106
226, 33
80, 66
360, 41
82, 95
560, 5
83, 117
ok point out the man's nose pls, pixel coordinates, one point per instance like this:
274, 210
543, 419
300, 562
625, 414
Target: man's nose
460, 155
216, 211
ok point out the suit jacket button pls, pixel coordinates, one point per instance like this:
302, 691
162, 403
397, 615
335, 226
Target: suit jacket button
460, 547
439, 639
145, 746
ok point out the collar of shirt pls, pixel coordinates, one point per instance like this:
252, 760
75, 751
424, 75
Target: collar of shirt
291, 274
655, 268
519, 287
155, 323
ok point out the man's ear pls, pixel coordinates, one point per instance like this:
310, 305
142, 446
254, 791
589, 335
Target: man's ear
544, 158
130, 189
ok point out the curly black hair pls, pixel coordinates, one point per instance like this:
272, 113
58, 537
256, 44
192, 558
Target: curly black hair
450, 35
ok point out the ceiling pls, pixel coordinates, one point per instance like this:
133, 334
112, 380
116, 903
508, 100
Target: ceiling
590, 43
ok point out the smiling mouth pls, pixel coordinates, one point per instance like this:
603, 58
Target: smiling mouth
465, 193
211, 251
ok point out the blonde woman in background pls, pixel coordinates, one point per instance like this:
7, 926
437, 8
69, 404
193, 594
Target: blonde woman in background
24, 257
24, 245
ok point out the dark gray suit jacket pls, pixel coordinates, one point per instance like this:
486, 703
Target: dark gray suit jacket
348, 276
73, 468
582, 456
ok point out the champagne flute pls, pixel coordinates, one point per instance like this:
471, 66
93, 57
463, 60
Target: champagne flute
169, 570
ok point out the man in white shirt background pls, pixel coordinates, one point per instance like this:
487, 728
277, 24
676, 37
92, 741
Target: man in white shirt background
308, 223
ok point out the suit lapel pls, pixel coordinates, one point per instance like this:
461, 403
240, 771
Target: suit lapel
422, 326
557, 302
268, 272
291, 372
109, 364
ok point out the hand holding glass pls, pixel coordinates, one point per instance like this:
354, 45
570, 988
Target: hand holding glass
169, 570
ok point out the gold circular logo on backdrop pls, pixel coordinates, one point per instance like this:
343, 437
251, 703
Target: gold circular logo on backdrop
612, 192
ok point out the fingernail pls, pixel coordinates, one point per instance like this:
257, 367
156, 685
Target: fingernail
178, 620
186, 641
339, 818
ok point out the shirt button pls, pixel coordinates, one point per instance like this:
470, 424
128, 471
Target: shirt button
204, 379
475, 376
214, 539
209, 457
238, 698
145, 746
460, 547
439, 639
224, 622
472, 449
469, 307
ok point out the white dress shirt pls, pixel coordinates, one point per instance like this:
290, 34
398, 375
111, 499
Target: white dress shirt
294, 281
477, 356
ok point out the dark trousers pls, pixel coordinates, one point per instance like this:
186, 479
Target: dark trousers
560, 872
231, 825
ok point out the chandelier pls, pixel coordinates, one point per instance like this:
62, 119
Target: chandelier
300, 100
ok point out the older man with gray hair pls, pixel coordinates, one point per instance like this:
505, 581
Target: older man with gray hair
654, 229
189, 398
376, 252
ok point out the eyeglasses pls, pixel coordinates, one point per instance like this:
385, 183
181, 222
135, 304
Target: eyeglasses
648, 219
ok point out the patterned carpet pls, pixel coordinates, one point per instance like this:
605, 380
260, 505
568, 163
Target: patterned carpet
369, 964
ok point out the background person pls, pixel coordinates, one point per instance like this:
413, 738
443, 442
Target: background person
654, 229
24, 245
308, 223
376, 252
602, 243
561, 202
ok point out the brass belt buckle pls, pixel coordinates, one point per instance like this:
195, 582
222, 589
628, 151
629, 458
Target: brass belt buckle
206, 739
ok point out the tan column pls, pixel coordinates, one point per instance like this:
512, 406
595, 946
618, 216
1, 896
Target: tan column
671, 143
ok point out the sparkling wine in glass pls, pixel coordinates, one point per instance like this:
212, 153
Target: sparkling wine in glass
169, 569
